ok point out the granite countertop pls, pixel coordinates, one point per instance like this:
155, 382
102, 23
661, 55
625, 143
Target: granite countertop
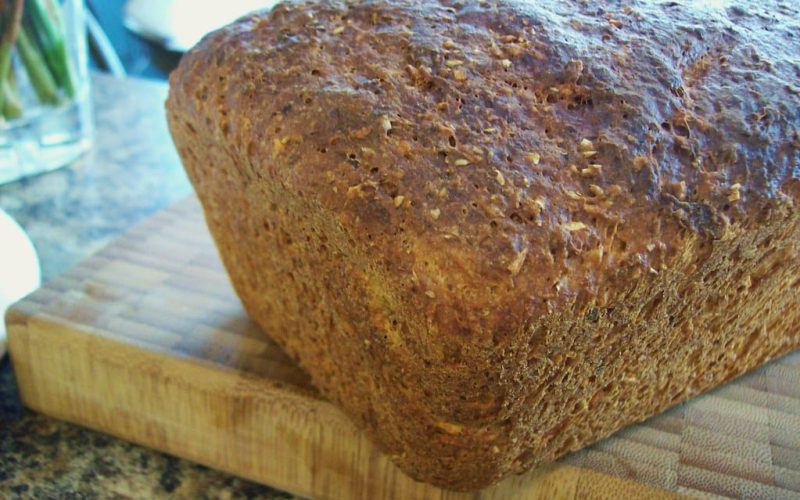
131, 173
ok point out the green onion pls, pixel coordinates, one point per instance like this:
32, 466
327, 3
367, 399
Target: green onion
11, 106
45, 22
35, 28
8, 100
41, 79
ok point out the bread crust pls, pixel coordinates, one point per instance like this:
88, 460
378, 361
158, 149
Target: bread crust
497, 232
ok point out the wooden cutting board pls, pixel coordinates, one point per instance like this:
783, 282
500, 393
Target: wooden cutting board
147, 341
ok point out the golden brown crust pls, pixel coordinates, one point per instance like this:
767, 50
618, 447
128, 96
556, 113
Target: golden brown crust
481, 204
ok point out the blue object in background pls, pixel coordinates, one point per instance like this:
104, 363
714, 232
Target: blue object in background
138, 56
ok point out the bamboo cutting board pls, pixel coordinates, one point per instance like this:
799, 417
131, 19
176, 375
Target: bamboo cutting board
147, 341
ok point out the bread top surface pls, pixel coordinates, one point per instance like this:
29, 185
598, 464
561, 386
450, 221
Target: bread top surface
502, 159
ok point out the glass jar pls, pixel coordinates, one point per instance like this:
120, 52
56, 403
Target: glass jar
45, 108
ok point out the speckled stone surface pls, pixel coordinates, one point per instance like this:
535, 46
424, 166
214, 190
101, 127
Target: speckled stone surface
131, 173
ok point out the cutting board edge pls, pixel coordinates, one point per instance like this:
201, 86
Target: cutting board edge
49, 394
20, 329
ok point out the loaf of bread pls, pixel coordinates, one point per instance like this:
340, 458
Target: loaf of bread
497, 232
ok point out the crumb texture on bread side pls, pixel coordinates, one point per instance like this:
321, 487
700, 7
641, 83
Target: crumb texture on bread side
495, 232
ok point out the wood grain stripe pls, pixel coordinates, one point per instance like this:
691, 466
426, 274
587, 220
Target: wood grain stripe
650, 436
787, 458
788, 479
707, 481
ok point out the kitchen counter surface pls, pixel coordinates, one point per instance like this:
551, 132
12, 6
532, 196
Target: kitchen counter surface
131, 173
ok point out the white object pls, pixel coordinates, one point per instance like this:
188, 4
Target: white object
19, 269
179, 24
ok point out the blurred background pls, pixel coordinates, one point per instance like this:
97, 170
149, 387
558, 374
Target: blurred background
139, 57
51, 118
149, 35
